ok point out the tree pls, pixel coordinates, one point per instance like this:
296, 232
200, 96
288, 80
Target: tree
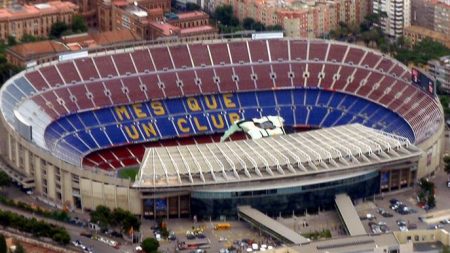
78, 24
3, 247
125, 219
248, 23
150, 245
12, 40
28, 38
224, 14
101, 216
258, 26
4, 178
58, 29
19, 248
192, 7
447, 164
274, 28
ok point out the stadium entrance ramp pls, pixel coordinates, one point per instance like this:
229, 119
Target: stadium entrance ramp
349, 216
270, 226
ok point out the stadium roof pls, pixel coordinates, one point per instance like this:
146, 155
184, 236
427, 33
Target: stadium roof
311, 152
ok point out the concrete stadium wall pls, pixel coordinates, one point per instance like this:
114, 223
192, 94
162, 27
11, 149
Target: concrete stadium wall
59, 181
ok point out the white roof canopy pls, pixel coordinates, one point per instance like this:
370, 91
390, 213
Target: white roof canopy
309, 152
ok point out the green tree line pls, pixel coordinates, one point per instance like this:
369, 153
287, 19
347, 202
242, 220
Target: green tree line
34, 227
116, 218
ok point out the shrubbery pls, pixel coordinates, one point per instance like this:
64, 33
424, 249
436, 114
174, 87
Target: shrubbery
123, 219
33, 226
56, 215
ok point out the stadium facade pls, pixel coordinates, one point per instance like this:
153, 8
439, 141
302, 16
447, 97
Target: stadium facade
69, 126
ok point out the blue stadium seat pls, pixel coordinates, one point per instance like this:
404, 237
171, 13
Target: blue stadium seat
284, 97
331, 118
115, 134
250, 113
75, 122
324, 98
344, 119
102, 128
347, 102
66, 125
100, 137
87, 138
336, 99
166, 128
287, 114
24, 85
77, 143
311, 97
105, 116
88, 119
316, 116
176, 106
247, 99
266, 98
300, 115
299, 97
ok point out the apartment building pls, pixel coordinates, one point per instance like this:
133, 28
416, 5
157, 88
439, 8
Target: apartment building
36, 19
440, 69
301, 18
431, 14
395, 15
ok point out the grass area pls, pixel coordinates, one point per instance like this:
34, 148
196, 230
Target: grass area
129, 173
316, 235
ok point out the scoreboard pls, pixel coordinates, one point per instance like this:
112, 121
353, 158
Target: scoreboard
423, 81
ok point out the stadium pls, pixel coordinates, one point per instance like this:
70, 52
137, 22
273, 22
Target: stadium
356, 122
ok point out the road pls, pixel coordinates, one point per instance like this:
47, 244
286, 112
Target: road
74, 232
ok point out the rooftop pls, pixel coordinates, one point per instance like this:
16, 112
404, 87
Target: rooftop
364, 243
191, 14
90, 40
428, 33
191, 30
24, 11
28, 50
306, 153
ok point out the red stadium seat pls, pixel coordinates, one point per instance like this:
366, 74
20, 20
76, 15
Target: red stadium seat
299, 50
239, 52
219, 53
52, 76
336, 52
86, 68
206, 76
258, 50
68, 72
161, 58
124, 63
317, 50
263, 76
371, 59
200, 55
105, 66
354, 56
36, 79
278, 50
142, 61
181, 56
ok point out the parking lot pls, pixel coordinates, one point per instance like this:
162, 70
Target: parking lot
405, 217
238, 235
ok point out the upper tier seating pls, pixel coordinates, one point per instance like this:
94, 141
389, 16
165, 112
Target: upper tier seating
70, 88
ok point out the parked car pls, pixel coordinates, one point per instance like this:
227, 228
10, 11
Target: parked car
445, 221
412, 226
401, 222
